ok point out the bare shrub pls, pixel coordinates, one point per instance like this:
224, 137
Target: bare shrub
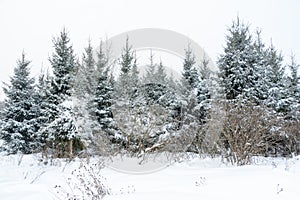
177, 145
101, 144
205, 143
292, 132
207, 136
248, 131
141, 127
86, 183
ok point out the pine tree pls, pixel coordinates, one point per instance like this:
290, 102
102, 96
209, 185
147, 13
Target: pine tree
160, 74
64, 66
260, 93
127, 62
135, 80
275, 69
19, 120
44, 107
190, 75
61, 126
293, 88
95, 120
172, 83
203, 92
277, 98
102, 103
85, 87
127, 58
86, 75
63, 131
236, 65
294, 77
150, 70
189, 85
154, 87
93, 108
204, 72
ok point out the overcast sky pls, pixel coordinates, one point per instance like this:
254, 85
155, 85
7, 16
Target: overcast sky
29, 25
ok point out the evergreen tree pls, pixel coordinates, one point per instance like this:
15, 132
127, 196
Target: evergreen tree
86, 83
44, 106
154, 89
203, 92
135, 80
190, 75
172, 83
63, 131
160, 74
95, 116
127, 62
189, 87
294, 77
102, 59
93, 110
277, 94
127, 59
236, 65
61, 126
260, 93
205, 72
150, 70
102, 103
19, 116
293, 89
86, 75
64, 66
275, 68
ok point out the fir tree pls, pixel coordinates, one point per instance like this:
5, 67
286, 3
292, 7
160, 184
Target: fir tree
63, 129
44, 106
275, 68
203, 92
150, 70
102, 59
172, 83
190, 74
236, 65
293, 89
93, 110
99, 107
86, 75
102, 103
294, 77
127, 58
61, 126
127, 62
189, 87
135, 80
205, 72
19, 116
277, 98
154, 89
260, 93
64, 66
160, 74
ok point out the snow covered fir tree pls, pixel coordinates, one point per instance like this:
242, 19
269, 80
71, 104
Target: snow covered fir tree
20, 115
82, 105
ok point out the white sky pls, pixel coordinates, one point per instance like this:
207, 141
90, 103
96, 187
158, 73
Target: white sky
29, 25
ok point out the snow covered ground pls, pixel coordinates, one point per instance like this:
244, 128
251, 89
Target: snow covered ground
270, 178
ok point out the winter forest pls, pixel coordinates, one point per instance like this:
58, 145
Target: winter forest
80, 107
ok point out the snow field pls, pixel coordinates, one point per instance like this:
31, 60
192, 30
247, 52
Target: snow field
269, 178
